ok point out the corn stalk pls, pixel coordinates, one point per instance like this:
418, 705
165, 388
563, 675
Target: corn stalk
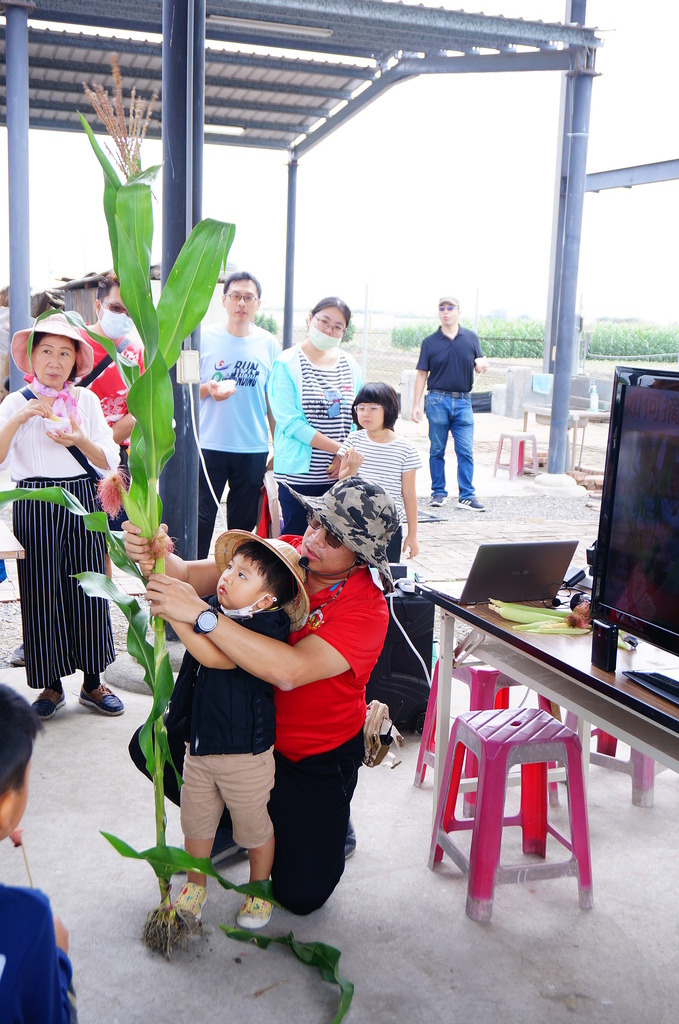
182, 305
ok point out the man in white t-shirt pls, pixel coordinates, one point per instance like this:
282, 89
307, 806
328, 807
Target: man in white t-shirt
236, 358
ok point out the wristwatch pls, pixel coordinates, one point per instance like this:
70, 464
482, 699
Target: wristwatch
206, 622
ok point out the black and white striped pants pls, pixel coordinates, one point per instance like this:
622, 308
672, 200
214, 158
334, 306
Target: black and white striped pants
63, 629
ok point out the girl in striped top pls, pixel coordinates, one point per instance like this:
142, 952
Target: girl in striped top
378, 454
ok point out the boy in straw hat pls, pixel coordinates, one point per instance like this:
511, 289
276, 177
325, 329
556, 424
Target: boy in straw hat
231, 724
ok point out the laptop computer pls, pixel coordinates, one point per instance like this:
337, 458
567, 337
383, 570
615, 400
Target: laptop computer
520, 571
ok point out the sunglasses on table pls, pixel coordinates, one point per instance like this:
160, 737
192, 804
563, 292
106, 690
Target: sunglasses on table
330, 538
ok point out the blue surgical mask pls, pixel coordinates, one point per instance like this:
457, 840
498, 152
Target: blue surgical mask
322, 341
116, 325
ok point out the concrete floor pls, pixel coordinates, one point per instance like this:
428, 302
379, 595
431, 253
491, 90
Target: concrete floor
406, 942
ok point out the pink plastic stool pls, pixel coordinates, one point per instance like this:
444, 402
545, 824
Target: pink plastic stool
488, 688
517, 453
640, 767
500, 739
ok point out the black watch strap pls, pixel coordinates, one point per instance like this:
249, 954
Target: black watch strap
206, 621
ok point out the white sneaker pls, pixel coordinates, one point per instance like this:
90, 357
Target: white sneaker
255, 913
473, 504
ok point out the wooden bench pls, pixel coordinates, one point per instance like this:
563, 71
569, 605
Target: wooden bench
9, 545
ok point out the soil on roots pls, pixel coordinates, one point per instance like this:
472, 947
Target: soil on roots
166, 928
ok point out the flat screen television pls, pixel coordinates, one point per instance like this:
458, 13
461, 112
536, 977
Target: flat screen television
636, 564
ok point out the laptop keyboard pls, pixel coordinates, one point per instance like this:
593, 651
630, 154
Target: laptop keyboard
664, 686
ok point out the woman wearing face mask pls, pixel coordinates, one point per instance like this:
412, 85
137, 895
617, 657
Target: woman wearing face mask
311, 391
114, 322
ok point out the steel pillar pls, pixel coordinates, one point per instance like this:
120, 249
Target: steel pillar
290, 253
16, 58
183, 78
575, 12
565, 339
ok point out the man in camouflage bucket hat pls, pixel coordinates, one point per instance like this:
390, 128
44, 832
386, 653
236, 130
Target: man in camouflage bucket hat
319, 677
361, 515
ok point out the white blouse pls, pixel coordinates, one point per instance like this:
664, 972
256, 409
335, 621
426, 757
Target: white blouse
33, 453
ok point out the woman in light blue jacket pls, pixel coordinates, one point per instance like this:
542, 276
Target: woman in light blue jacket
311, 391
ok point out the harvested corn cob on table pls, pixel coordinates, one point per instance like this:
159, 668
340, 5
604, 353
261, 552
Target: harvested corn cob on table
548, 655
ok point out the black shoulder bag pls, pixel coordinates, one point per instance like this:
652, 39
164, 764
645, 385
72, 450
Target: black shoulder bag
97, 370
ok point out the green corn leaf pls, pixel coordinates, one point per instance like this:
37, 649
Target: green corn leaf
162, 691
135, 292
191, 284
313, 954
97, 585
169, 860
100, 155
146, 177
111, 187
56, 494
110, 196
95, 521
135, 217
140, 493
161, 737
127, 368
151, 402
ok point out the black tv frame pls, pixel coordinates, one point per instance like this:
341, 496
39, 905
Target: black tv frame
602, 605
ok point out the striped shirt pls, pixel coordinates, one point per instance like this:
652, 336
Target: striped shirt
384, 464
327, 397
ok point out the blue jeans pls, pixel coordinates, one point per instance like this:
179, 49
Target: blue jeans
446, 413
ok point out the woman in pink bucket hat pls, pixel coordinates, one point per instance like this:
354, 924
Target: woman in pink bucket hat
54, 434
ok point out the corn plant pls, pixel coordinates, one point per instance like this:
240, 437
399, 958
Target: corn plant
182, 305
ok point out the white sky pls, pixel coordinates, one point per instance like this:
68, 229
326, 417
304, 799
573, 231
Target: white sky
444, 183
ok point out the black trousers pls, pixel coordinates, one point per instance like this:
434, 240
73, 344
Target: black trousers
244, 473
294, 515
63, 628
309, 808
394, 547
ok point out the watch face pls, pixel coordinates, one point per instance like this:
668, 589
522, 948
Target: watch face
206, 622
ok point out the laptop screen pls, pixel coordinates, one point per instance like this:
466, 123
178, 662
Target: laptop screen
520, 571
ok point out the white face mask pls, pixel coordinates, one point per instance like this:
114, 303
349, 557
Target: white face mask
116, 325
322, 341
251, 609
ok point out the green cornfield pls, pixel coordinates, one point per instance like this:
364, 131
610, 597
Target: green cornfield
524, 339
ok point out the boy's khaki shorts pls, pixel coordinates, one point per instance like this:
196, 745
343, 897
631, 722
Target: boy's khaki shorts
241, 781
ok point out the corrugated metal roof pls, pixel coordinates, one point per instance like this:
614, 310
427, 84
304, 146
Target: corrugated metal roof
274, 101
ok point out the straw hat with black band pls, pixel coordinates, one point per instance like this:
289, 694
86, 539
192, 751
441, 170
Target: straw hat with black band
228, 543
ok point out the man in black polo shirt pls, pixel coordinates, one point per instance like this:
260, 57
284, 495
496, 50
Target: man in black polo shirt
450, 357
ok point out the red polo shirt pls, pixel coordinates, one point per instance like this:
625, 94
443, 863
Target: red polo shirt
320, 716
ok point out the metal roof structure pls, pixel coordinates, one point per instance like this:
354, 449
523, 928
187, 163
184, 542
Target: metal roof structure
353, 50
252, 93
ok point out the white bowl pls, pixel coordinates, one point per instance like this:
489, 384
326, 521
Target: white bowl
61, 423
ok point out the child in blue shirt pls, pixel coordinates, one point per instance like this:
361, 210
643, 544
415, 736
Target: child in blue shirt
33, 943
